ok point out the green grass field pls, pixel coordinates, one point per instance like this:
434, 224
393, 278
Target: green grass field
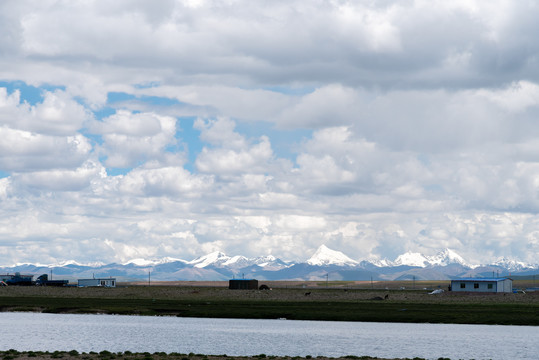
290, 303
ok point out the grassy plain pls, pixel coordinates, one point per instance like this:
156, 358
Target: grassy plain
340, 301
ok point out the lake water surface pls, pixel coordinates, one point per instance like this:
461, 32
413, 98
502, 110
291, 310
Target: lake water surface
85, 333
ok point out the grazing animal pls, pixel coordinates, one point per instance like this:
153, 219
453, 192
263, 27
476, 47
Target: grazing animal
386, 297
307, 293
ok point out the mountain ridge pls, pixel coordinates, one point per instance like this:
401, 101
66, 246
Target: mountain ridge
324, 263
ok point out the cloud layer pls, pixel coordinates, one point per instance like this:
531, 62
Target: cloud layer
184, 127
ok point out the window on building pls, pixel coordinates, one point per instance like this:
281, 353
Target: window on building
476, 286
463, 285
489, 286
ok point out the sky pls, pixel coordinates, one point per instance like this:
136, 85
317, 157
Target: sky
137, 129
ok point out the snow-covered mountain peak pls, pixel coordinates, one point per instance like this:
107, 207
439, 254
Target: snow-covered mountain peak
446, 257
139, 262
411, 259
64, 263
215, 258
268, 260
265, 259
325, 256
379, 262
237, 261
152, 262
509, 264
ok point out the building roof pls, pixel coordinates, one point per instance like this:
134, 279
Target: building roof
242, 279
482, 279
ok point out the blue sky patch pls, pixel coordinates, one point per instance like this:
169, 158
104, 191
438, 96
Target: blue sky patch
31, 94
118, 171
191, 137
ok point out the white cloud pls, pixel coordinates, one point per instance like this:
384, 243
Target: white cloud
234, 154
332, 104
369, 29
4, 186
57, 114
60, 179
130, 139
246, 104
517, 97
164, 181
417, 125
24, 151
387, 43
220, 132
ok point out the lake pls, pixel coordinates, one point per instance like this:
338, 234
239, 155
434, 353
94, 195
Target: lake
85, 333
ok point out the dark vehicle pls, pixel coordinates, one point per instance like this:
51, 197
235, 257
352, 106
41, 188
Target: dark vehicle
19, 279
43, 280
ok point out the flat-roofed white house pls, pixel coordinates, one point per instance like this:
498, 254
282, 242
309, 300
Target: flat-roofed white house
495, 285
105, 282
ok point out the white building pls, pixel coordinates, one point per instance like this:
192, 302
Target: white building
107, 282
495, 285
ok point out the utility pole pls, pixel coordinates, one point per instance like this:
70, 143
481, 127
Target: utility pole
149, 278
327, 280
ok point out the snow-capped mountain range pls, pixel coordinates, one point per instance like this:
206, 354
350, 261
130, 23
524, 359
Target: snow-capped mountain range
444, 257
325, 262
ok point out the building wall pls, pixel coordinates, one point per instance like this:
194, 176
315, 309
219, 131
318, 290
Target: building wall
108, 282
478, 285
507, 286
472, 286
243, 284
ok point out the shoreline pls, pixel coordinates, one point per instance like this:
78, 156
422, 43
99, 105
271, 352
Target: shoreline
128, 355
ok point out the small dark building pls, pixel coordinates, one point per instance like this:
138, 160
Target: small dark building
243, 284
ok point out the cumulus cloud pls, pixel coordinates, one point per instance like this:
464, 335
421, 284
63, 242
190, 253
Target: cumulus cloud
130, 139
233, 154
183, 127
164, 181
57, 114
24, 151
389, 43
60, 179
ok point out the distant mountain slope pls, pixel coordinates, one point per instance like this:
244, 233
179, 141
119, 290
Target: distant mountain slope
324, 264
